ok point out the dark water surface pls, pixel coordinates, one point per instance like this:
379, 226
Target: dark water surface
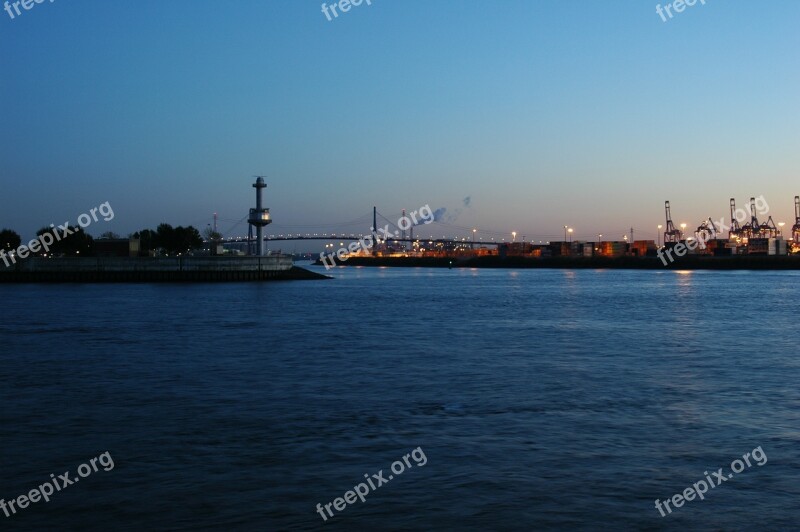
541, 399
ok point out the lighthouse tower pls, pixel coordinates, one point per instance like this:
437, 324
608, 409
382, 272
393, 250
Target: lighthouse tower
259, 217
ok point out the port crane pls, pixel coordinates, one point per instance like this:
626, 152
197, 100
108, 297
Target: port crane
707, 231
769, 230
796, 227
735, 232
671, 233
752, 229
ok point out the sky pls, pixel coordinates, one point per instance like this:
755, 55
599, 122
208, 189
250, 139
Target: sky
511, 115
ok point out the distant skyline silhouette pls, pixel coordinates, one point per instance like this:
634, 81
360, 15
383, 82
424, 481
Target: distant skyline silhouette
517, 116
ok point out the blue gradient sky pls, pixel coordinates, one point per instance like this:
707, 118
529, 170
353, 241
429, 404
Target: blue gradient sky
543, 113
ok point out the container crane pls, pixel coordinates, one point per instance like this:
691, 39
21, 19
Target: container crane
707, 231
752, 229
735, 232
671, 233
769, 230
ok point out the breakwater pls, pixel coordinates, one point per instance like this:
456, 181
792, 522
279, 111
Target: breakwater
154, 269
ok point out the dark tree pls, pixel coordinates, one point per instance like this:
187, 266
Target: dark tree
187, 239
165, 238
76, 243
9, 240
211, 235
213, 238
175, 240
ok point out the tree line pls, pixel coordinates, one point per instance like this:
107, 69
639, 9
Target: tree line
164, 240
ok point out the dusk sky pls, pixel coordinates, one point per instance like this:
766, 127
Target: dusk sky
541, 113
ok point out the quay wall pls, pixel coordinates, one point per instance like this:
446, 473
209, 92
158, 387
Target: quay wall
746, 262
152, 269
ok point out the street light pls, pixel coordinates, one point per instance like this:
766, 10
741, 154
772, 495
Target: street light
781, 224
570, 234
473, 237
565, 233
514, 235
683, 229
658, 235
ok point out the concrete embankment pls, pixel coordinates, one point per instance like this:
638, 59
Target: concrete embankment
696, 262
155, 269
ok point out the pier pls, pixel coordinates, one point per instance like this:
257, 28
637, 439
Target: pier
154, 269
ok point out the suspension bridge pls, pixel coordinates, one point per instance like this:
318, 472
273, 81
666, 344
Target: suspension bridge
437, 232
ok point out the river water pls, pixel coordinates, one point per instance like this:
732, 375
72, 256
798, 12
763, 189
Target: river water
535, 400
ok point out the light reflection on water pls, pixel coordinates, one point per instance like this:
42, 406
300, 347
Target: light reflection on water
542, 399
